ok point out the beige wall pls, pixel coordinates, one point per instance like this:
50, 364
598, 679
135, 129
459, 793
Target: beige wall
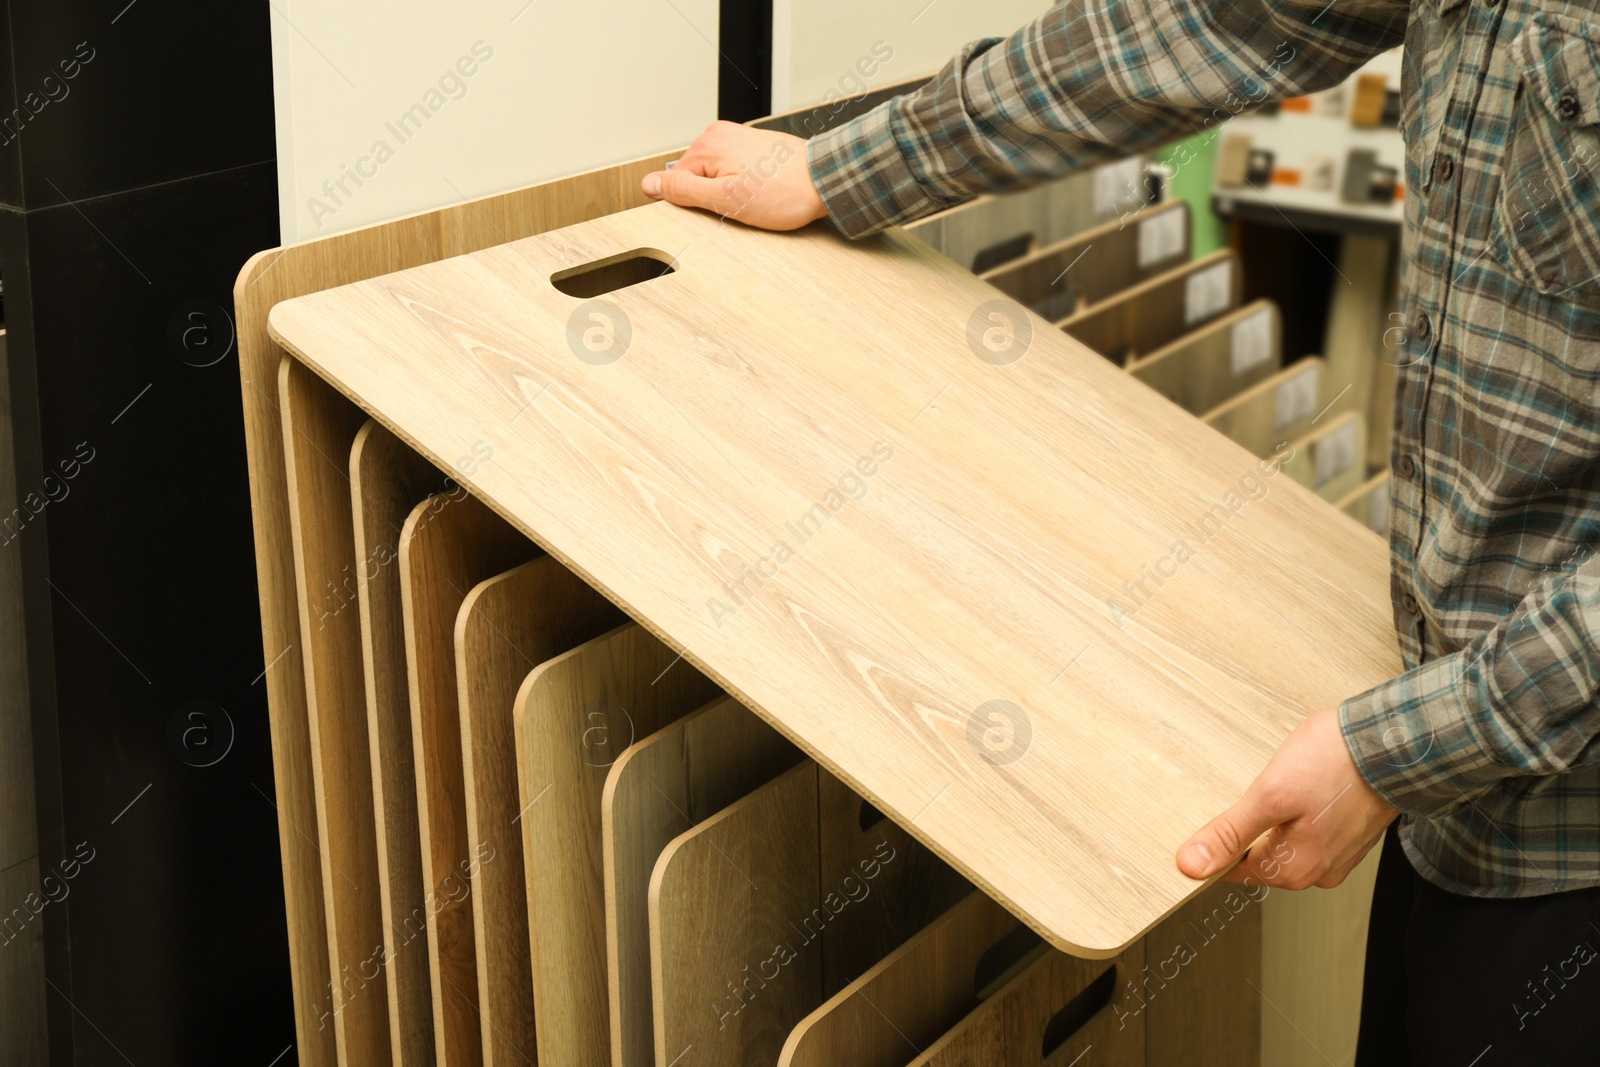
818, 44
554, 88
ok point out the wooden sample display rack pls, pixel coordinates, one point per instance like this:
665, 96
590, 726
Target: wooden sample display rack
427, 467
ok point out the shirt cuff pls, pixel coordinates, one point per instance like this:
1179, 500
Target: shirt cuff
882, 168
1414, 740
863, 177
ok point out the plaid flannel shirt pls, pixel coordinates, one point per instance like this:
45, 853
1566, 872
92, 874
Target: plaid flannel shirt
1487, 743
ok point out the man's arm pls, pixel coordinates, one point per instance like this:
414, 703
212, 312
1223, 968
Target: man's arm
1520, 700
1087, 81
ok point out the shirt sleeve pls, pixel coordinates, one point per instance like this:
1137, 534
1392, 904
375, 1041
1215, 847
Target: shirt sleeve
1518, 701
1090, 80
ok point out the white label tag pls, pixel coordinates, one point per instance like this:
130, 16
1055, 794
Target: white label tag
1378, 510
1297, 397
1335, 453
1117, 186
1206, 292
1252, 341
1161, 238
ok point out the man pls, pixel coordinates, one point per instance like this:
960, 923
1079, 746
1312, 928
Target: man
1486, 918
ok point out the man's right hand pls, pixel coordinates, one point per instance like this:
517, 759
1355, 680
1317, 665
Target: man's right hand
758, 177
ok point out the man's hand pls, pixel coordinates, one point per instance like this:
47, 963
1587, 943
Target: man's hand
759, 177
1322, 814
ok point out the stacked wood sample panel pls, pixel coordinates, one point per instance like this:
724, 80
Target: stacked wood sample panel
461, 628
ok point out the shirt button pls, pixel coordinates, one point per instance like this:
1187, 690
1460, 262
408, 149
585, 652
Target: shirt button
1409, 602
1422, 327
1408, 467
1445, 167
1568, 106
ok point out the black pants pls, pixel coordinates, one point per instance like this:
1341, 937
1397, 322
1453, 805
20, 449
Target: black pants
1457, 981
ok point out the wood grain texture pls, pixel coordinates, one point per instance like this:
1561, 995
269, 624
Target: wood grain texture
1065, 277
669, 479
663, 786
1009, 1029
319, 426
906, 1001
387, 481
576, 715
1196, 371
448, 545
883, 885
1252, 418
734, 928
1153, 313
1331, 459
267, 278
507, 626
1200, 990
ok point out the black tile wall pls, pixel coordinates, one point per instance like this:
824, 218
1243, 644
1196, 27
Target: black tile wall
134, 193
119, 95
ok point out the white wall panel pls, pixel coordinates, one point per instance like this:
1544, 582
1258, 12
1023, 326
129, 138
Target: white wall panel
818, 44
554, 87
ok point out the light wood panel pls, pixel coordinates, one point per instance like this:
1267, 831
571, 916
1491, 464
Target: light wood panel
909, 999
1013, 1027
319, 427
1368, 503
894, 885
576, 714
734, 954
1331, 459
387, 481
1153, 313
1271, 413
1065, 277
1366, 337
659, 476
1313, 955
1201, 987
507, 626
277, 274
661, 787
1216, 362
446, 548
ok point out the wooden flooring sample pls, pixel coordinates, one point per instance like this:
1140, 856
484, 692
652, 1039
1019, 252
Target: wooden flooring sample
1144, 317
1368, 503
1056, 1011
1271, 413
319, 427
894, 885
661, 787
445, 550
1211, 365
507, 626
734, 956
388, 480
1201, 990
576, 715
1331, 458
909, 999
905, 561
1065, 277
